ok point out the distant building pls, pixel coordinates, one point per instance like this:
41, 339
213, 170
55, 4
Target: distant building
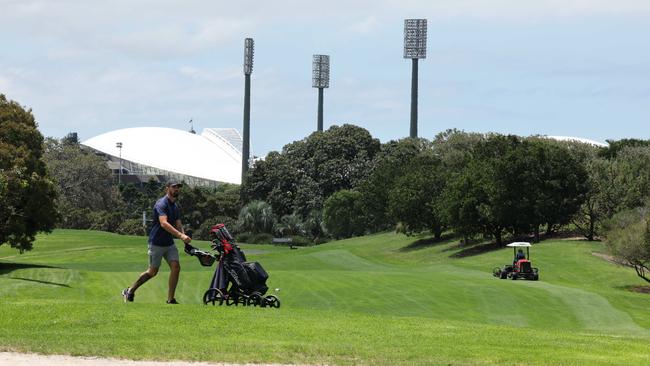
158, 153
578, 139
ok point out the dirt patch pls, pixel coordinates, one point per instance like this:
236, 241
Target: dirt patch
610, 259
31, 359
640, 289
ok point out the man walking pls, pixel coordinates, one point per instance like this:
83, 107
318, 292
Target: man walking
166, 226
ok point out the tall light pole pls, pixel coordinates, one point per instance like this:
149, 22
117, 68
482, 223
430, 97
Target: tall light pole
320, 78
415, 47
248, 69
119, 177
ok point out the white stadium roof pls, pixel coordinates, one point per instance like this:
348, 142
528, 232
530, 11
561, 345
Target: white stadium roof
578, 139
212, 155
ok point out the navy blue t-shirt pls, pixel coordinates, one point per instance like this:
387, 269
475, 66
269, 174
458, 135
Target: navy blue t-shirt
159, 236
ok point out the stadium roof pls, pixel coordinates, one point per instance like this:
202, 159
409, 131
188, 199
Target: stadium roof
578, 139
212, 155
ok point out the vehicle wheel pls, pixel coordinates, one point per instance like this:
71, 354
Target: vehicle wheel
272, 301
536, 278
232, 300
214, 296
513, 277
503, 275
254, 300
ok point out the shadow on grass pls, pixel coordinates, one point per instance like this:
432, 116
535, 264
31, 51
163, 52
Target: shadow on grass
7, 268
425, 243
476, 249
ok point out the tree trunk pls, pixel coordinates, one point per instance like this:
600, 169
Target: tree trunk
592, 224
536, 233
497, 237
437, 232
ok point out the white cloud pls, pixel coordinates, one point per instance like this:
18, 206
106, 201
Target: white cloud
365, 26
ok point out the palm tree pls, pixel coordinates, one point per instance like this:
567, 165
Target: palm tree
290, 225
256, 217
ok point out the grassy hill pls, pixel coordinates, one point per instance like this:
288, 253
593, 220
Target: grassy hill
383, 300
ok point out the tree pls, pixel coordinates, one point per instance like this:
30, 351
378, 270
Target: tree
27, 194
556, 182
307, 171
290, 225
413, 198
628, 238
387, 167
515, 186
343, 214
614, 147
256, 217
84, 184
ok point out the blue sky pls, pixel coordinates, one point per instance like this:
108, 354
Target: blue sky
573, 68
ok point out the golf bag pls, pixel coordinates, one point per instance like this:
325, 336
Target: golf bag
235, 281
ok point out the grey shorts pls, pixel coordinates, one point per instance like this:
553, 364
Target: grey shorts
157, 253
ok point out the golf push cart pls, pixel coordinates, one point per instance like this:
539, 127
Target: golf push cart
521, 268
235, 281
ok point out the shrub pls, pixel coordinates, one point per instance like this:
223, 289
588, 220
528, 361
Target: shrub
131, 227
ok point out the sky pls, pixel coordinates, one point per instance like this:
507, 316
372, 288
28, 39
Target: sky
554, 67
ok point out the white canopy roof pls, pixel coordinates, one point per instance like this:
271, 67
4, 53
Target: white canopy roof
578, 139
519, 244
208, 156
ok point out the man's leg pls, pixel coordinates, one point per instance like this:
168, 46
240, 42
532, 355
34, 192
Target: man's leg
145, 276
155, 258
175, 268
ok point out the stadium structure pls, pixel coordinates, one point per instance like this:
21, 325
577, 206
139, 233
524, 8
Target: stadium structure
578, 139
141, 154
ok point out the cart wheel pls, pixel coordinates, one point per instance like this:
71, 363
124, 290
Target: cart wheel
232, 300
272, 301
213, 295
254, 300
536, 277
514, 276
504, 275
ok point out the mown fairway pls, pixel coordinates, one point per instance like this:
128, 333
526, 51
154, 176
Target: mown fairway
376, 300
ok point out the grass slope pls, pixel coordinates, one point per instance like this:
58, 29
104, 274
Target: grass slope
376, 300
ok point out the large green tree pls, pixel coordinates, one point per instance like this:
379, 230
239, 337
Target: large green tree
26, 192
307, 171
389, 165
343, 214
513, 185
88, 197
628, 239
413, 199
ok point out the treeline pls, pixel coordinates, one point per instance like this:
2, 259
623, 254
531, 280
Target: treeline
90, 198
343, 182
475, 185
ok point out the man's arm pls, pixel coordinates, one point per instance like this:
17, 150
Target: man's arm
172, 230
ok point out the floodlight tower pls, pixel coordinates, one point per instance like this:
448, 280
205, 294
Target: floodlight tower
248, 69
415, 47
320, 78
119, 176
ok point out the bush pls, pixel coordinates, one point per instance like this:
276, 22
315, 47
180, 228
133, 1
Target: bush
243, 237
261, 238
203, 232
131, 227
250, 238
300, 241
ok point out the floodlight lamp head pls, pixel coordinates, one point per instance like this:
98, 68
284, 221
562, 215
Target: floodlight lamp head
249, 46
320, 76
415, 38
118, 145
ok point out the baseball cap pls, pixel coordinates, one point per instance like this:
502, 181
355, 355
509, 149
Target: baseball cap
174, 182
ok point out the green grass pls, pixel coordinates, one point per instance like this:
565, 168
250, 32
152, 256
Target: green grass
369, 300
